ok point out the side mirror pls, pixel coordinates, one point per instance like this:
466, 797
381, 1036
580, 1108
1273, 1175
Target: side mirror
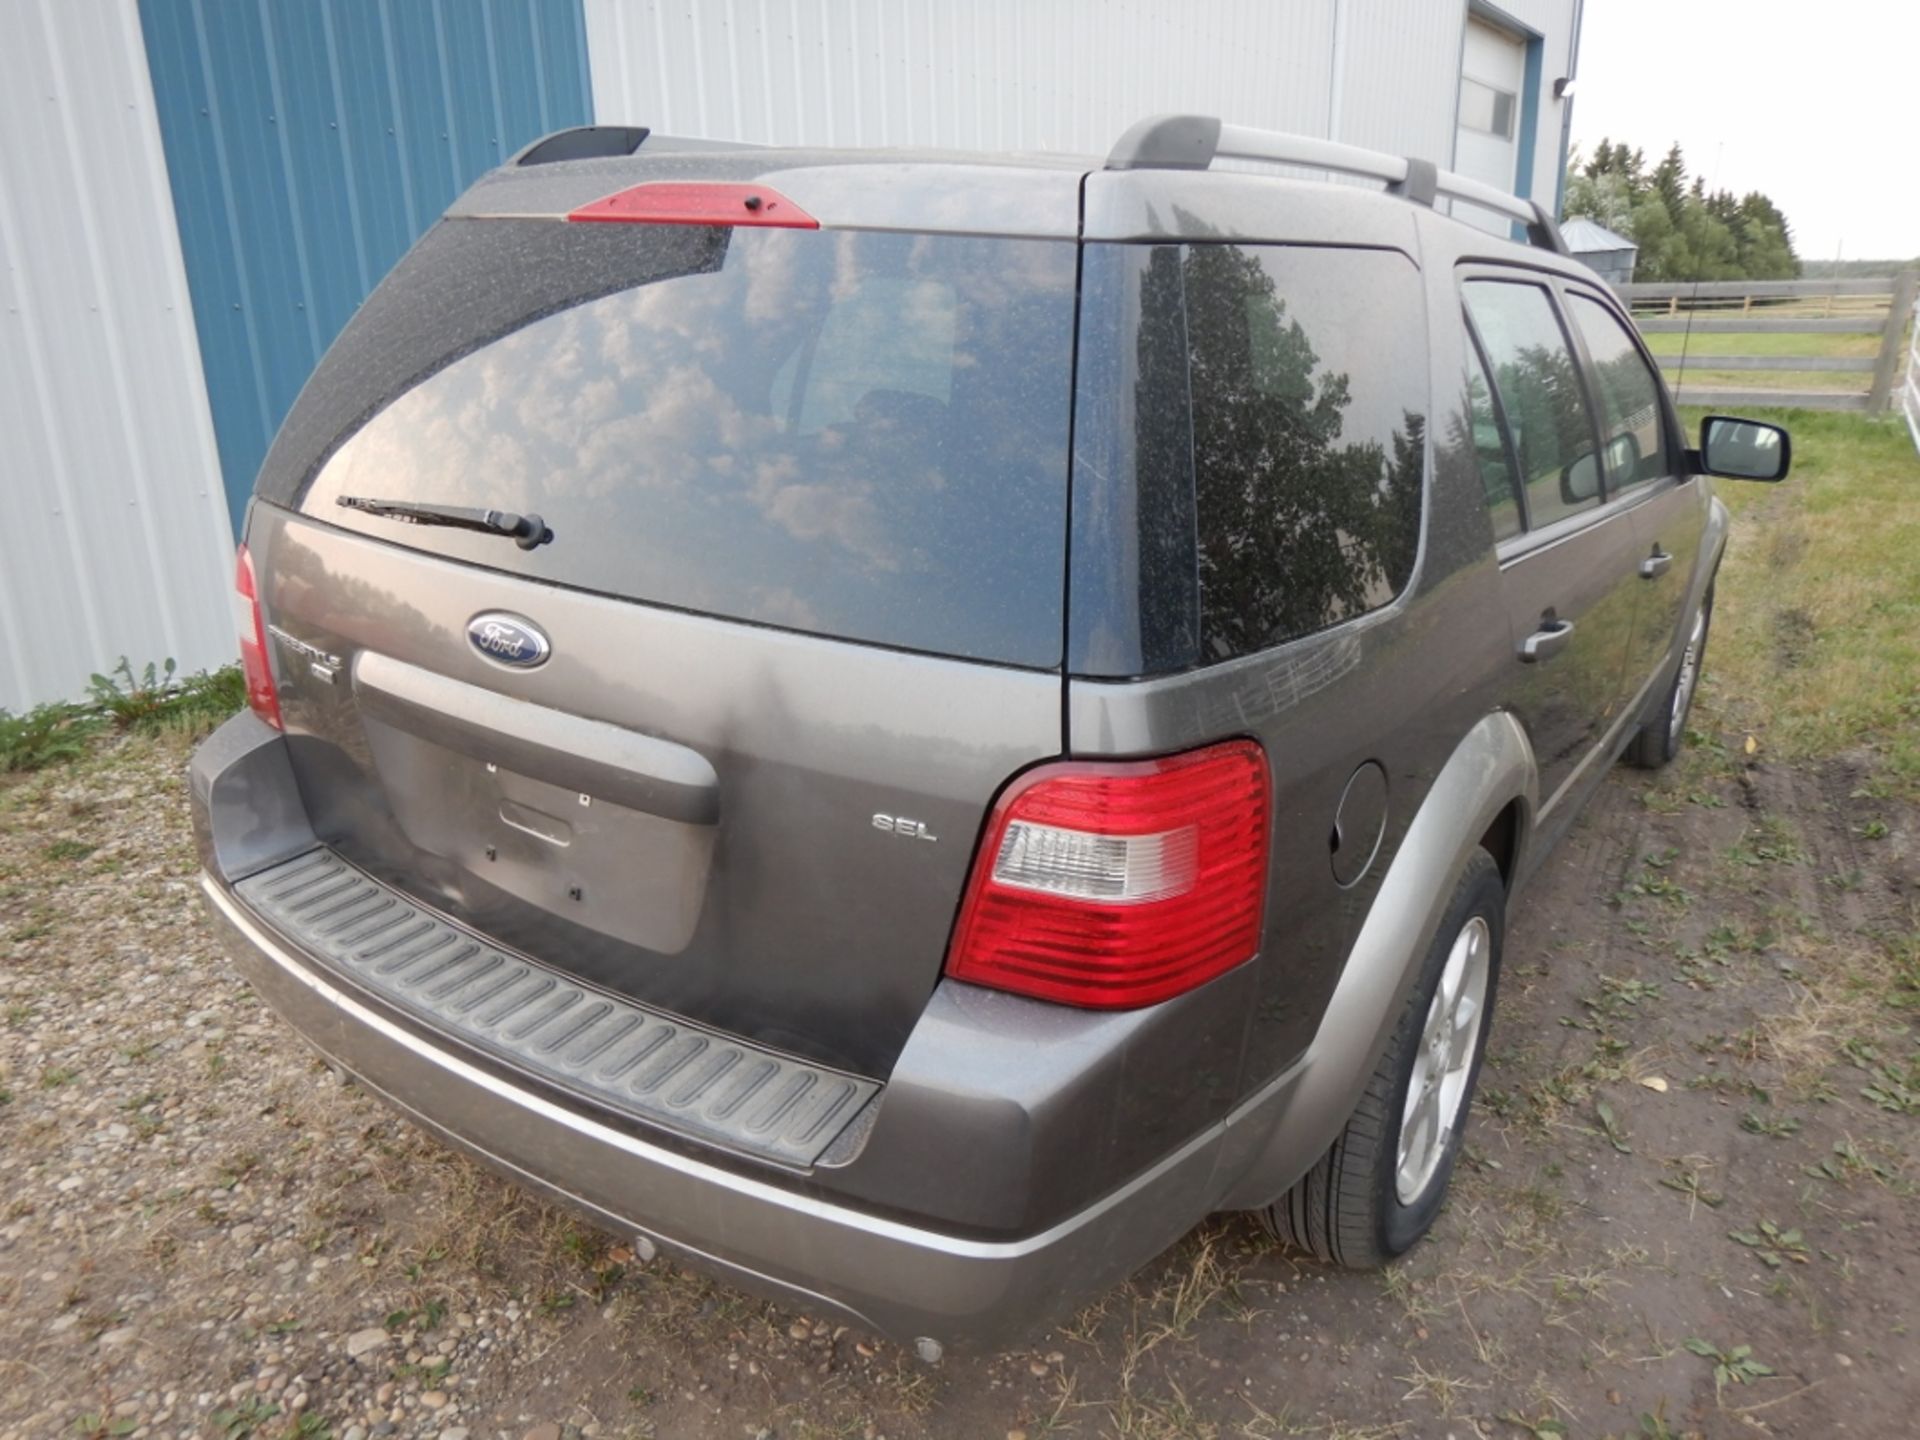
1744, 449
1580, 481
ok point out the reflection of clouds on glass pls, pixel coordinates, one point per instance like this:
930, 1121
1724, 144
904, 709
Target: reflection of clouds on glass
653, 428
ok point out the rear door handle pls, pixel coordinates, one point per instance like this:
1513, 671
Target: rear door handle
1655, 565
1546, 642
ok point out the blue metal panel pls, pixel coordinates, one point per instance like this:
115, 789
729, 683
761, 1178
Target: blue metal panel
1529, 117
309, 145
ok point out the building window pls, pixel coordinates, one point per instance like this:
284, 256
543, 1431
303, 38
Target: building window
1486, 109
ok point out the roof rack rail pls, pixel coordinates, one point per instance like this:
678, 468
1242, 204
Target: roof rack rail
1194, 142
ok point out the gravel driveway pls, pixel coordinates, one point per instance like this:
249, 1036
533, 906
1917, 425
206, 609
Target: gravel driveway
1696, 1134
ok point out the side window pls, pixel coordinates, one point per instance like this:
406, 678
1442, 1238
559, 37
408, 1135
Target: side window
1496, 475
1635, 448
1540, 392
1308, 380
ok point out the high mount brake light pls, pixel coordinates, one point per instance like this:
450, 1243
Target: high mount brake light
263, 698
668, 202
1112, 885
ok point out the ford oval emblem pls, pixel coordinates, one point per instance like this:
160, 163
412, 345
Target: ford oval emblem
508, 640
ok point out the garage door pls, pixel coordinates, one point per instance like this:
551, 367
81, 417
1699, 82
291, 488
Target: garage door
1492, 71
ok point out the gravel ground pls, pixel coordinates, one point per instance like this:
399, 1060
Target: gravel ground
206, 1233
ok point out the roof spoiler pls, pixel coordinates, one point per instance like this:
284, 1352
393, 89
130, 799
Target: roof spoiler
1194, 142
607, 142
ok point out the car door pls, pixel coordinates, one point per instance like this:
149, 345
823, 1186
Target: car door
1645, 467
1567, 555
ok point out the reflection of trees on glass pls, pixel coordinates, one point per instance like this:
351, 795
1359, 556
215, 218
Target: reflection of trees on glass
1298, 530
1478, 425
1541, 393
1636, 449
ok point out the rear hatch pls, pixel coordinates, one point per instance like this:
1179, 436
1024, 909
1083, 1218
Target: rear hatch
722, 744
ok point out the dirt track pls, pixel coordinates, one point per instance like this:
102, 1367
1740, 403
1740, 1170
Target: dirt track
201, 1223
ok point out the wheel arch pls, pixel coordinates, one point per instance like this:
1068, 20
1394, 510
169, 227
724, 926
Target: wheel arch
1490, 781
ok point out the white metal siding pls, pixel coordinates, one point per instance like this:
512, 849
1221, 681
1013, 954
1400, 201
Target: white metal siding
1047, 74
114, 538
970, 74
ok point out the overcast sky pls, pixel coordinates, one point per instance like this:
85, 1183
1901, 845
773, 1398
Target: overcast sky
1816, 104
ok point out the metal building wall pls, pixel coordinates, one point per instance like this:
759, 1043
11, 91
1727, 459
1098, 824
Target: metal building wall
113, 531
310, 144
976, 74
1049, 74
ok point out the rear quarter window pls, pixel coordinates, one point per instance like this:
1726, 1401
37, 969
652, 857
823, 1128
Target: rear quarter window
1250, 452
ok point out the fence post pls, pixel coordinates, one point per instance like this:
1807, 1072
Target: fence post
1905, 286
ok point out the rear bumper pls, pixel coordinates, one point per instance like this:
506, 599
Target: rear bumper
893, 1278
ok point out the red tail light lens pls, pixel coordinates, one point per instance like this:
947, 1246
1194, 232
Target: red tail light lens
669, 202
1118, 884
262, 698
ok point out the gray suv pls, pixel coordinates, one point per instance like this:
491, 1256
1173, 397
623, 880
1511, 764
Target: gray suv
905, 726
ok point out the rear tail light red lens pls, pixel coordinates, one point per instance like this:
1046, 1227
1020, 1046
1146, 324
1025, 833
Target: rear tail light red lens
1118, 884
668, 202
262, 698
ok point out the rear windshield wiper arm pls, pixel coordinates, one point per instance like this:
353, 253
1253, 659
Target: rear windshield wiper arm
526, 531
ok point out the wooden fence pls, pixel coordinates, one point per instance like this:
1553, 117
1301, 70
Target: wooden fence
1828, 318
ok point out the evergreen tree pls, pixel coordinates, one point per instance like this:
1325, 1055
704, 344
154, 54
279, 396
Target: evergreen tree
1683, 231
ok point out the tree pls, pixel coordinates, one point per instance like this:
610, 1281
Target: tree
1683, 231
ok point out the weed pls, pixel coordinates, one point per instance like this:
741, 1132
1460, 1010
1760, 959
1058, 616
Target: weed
94, 1426
46, 735
1689, 1184
1730, 1367
1844, 1163
69, 850
1778, 1126
1768, 841
1543, 1429
1772, 1246
244, 1419
152, 700
1611, 1128
56, 1076
1893, 1090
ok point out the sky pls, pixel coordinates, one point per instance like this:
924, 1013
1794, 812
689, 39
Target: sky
1814, 102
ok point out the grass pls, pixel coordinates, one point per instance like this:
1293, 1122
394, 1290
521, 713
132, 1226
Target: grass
1816, 634
1856, 346
1853, 382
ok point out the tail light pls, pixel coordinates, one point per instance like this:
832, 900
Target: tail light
262, 697
1117, 884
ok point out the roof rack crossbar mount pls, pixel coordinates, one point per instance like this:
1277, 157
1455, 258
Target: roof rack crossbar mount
1195, 142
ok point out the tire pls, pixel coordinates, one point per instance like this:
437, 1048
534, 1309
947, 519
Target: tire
1354, 1207
1665, 731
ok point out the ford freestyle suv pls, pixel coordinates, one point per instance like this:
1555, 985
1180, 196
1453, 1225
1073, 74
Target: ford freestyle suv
904, 726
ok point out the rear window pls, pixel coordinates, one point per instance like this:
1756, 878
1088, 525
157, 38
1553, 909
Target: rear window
1250, 449
855, 434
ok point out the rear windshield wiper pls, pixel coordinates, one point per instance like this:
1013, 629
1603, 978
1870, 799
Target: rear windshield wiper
526, 531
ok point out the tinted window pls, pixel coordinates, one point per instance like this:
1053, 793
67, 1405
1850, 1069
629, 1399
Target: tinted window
855, 434
1540, 394
1635, 448
1270, 403
1496, 475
